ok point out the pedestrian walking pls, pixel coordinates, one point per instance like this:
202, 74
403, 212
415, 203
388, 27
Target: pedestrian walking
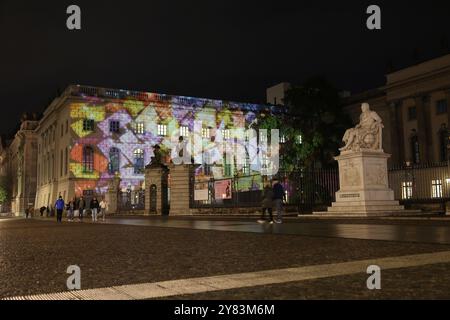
103, 206
27, 213
59, 205
81, 207
94, 205
267, 203
42, 210
278, 197
71, 209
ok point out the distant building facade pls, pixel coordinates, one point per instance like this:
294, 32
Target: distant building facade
414, 107
21, 166
88, 135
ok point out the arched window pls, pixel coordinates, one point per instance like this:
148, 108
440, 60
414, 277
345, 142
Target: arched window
443, 143
114, 160
88, 159
415, 148
138, 161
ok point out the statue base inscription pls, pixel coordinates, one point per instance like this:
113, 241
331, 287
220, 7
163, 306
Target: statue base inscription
364, 189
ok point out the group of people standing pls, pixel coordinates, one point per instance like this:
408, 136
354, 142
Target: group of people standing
272, 197
80, 206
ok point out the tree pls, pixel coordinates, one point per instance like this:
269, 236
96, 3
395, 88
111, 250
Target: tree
313, 124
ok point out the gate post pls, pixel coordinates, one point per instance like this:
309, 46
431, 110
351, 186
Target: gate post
111, 195
180, 189
154, 176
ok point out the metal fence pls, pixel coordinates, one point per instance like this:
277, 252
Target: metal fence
131, 200
427, 183
306, 190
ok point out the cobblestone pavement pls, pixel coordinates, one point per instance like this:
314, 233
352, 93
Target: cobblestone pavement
34, 255
430, 283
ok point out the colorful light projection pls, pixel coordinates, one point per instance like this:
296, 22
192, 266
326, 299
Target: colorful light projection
128, 149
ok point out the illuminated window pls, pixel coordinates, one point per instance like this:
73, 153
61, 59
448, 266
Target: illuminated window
206, 133
184, 131
114, 126
299, 139
436, 188
283, 139
226, 134
88, 159
246, 167
407, 190
139, 128
114, 160
138, 161
162, 130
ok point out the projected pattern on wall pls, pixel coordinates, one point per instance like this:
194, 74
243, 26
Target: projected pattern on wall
119, 136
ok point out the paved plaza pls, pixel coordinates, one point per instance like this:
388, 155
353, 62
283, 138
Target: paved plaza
225, 258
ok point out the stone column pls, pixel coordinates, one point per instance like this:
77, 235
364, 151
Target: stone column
423, 129
180, 189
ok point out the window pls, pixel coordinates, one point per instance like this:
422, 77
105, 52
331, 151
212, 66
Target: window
61, 163
443, 143
412, 113
66, 161
407, 190
114, 126
246, 167
139, 128
88, 125
88, 193
184, 131
436, 188
226, 134
441, 106
138, 161
299, 139
415, 149
88, 159
162, 130
114, 160
282, 139
206, 133
206, 163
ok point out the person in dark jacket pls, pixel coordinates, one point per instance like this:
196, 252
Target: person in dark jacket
278, 197
266, 204
81, 206
59, 205
94, 208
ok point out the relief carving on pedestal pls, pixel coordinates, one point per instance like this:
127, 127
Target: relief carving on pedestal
350, 176
377, 176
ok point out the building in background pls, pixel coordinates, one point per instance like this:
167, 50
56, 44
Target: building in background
21, 166
89, 135
414, 106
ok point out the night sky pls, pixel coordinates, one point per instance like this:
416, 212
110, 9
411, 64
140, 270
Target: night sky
218, 49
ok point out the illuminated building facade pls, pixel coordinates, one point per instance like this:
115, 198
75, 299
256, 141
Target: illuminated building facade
88, 135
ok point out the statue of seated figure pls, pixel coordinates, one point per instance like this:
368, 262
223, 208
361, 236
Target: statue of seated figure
367, 135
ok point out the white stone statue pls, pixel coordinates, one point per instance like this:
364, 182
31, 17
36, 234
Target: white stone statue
367, 135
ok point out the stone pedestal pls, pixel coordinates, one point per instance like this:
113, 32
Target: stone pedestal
179, 189
364, 189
